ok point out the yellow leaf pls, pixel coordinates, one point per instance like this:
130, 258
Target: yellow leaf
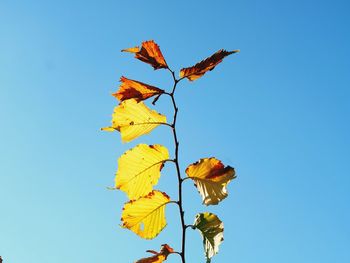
149, 53
146, 215
158, 257
132, 89
212, 231
198, 70
211, 178
139, 169
134, 119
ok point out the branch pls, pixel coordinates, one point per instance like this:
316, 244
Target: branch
176, 160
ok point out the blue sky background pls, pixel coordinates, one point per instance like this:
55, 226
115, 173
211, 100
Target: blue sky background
278, 112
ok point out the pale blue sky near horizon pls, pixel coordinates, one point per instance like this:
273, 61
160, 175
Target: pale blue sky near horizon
278, 112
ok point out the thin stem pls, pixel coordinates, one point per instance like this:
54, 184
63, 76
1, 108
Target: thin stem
142, 123
175, 252
173, 202
186, 178
152, 123
176, 142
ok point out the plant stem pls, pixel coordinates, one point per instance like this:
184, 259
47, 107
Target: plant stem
183, 245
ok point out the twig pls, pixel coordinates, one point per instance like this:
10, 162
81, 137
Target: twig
176, 160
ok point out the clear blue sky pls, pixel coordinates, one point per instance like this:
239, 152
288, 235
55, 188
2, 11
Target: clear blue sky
278, 112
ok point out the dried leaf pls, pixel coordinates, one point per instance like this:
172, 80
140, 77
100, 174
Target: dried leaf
158, 257
139, 169
146, 215
212, 231
211, 178
132, 89
134, 119
198, 70
149, 53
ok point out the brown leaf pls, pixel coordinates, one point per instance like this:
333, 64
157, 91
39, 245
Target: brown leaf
198, 70
158, 257
149, 53
132, 89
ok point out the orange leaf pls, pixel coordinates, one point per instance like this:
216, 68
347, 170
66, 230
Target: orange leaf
132, 89
198, 70
149, 53
158, 257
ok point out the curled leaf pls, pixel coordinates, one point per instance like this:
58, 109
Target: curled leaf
158, 257
139, 169
198, 70
212, 231
146, 215
149, 53
211, 178
133, 119
132, 89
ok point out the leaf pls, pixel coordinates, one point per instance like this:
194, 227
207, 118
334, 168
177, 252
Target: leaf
212, 231
198, 70
133, 119
146, 215
139, 169
158, 257
211, 178
132, 89
149, 53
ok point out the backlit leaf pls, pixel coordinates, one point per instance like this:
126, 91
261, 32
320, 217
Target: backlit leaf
198, 70
133, 119
132, 89
212, 231
149, 53
158, 257
146, 215
211, 178
139, 169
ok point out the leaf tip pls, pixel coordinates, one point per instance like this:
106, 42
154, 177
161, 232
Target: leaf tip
131, 50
